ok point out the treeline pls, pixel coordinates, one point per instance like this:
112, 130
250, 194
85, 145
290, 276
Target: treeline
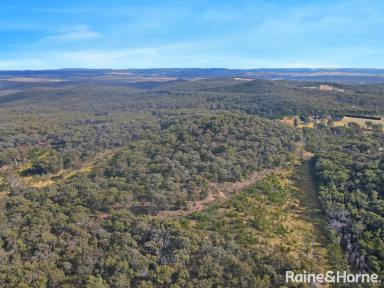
53, 238
162, 162
81, 231
116, 155
176, 164
259, 97
349, 167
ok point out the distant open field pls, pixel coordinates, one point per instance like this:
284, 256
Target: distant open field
7, 92
356, 76
290, 121
360, 121
33, 79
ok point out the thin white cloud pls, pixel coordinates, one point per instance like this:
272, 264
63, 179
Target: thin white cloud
117, 58
21, 64
72, 34
149, 58
185, 55
120, 58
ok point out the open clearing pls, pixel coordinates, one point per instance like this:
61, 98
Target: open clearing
43, 181
7, 92
300, 217
294, 223
33, 80
218, 191
360, 121
306, 219
290, 121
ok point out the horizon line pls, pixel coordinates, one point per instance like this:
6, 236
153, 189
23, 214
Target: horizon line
200, 68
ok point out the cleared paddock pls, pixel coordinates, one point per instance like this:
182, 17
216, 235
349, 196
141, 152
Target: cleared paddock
362, 122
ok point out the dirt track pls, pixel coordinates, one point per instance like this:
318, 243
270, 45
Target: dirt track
218, 191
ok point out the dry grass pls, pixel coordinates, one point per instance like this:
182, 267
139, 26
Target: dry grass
42, 183
219, 191
306, 219
23, 167
2, 180
69, 175
3, 194
361, 122
301, 217
290, 121
86, 169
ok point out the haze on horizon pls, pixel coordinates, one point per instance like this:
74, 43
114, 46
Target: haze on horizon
145, 34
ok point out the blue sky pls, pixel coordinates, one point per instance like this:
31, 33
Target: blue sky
42, 34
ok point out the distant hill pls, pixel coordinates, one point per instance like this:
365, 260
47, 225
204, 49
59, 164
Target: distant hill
343, 75
259, 96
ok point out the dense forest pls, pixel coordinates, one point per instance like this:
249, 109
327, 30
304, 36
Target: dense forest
349, 167
108, 183
265, 98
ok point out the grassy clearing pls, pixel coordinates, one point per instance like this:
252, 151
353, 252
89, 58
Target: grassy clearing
290, 121
219, 191
3, 194
24, 167
307, 221
359, 121
279, 213
298, 218
42, 181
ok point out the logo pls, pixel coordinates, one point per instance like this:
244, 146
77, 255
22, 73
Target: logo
330, 277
